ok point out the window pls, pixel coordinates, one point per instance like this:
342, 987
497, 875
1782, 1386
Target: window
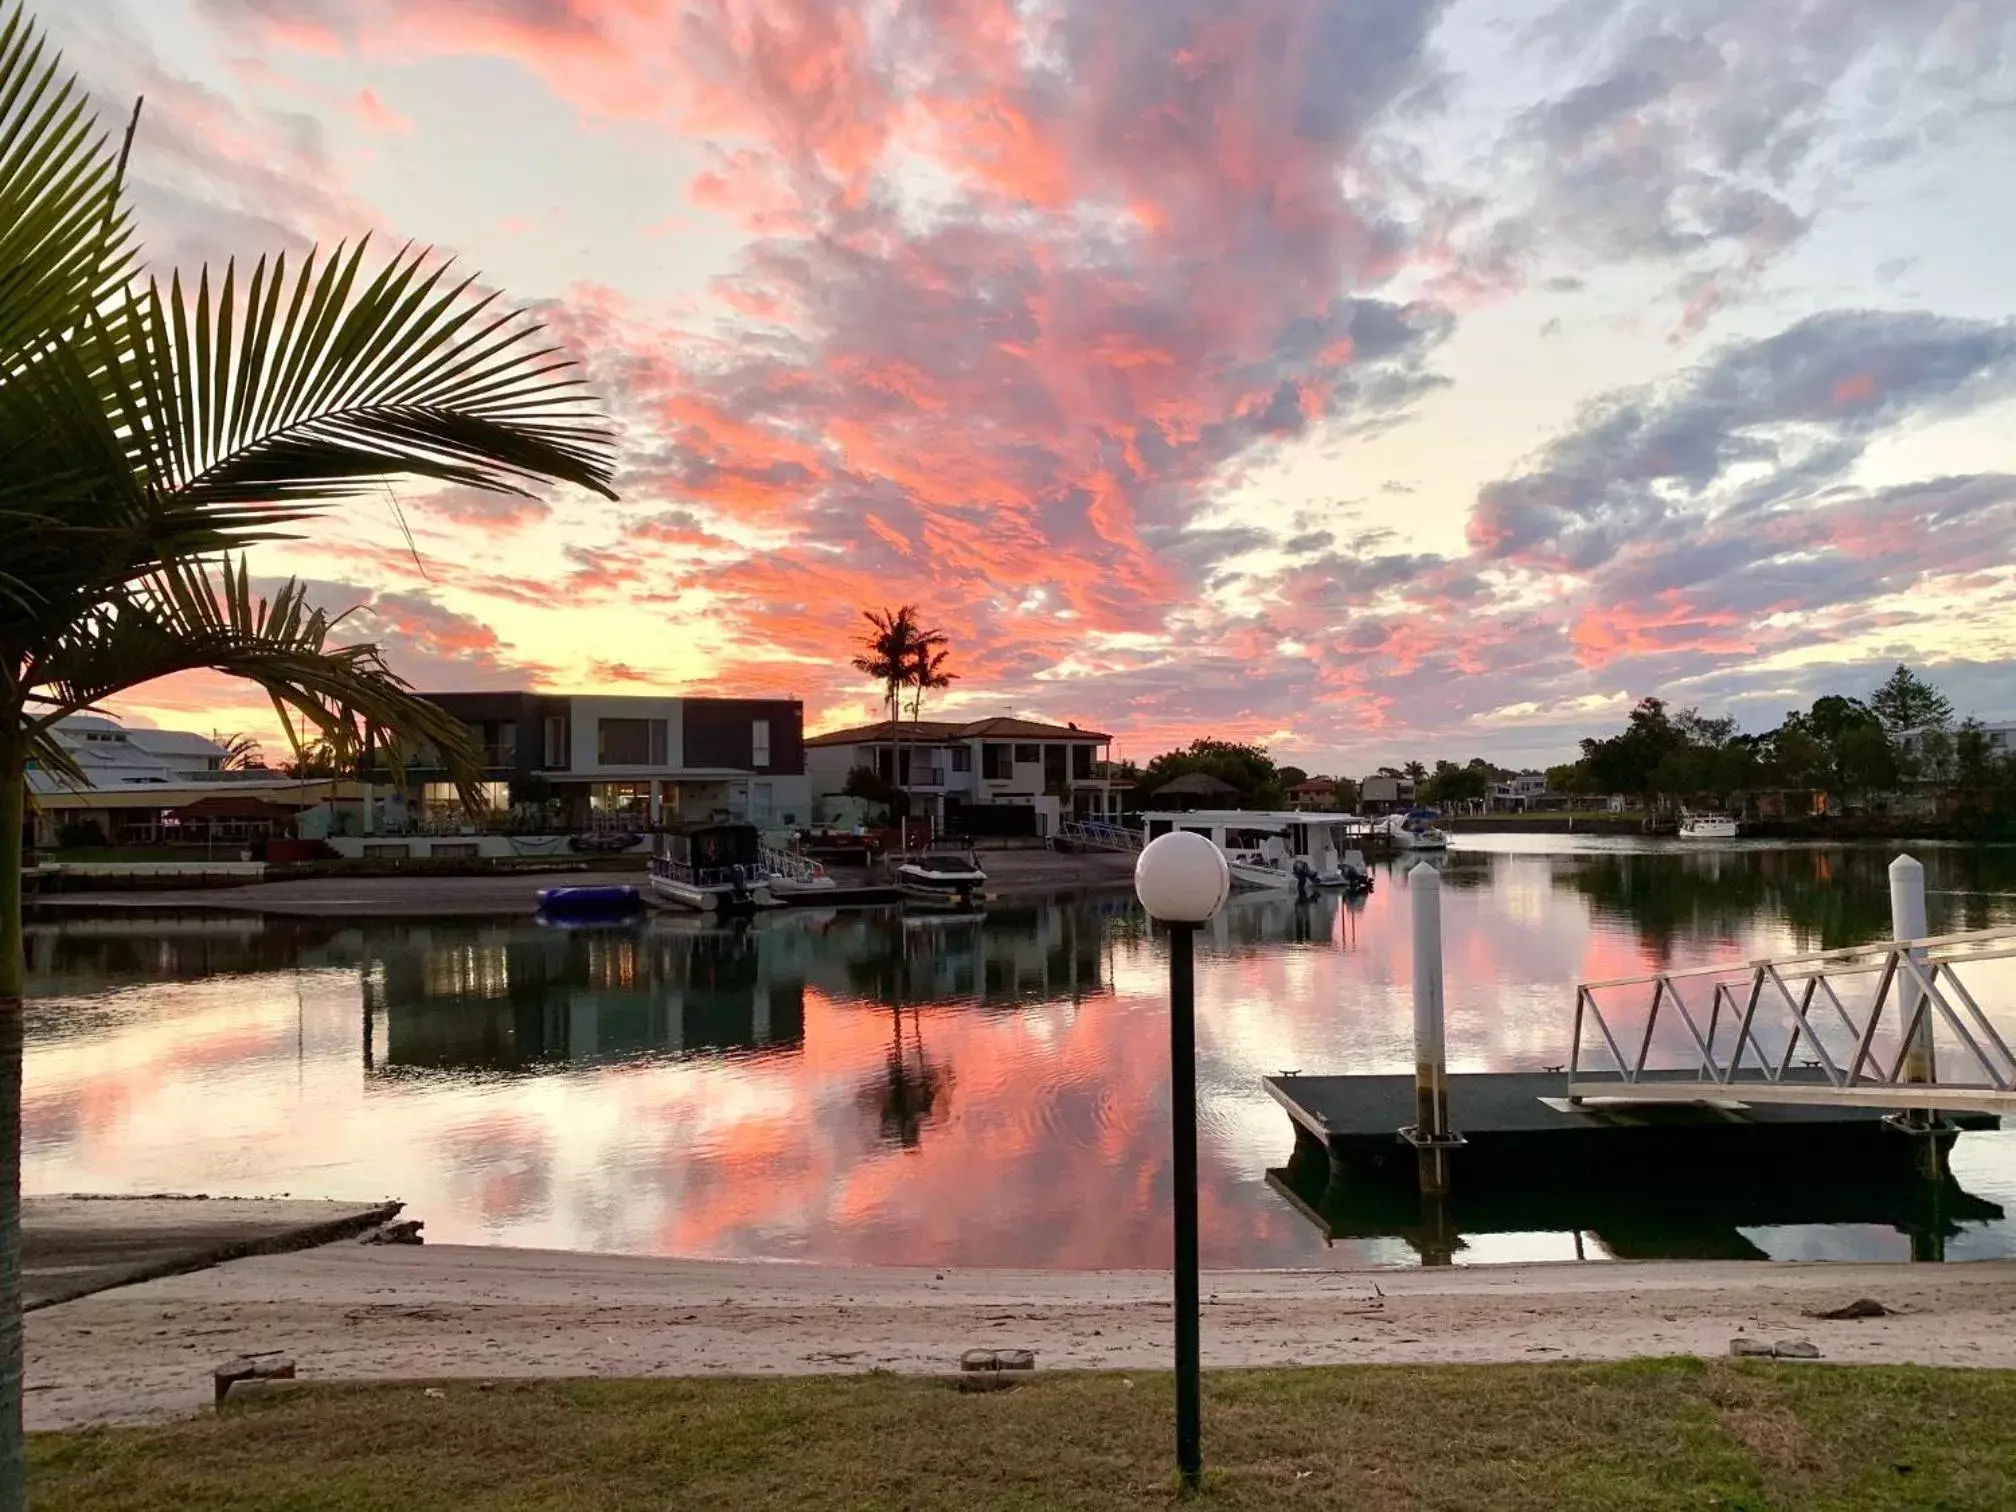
962, 758
1081, 761
759, 743
630, 742
997, 762
1028, 753
556, 740
759, 800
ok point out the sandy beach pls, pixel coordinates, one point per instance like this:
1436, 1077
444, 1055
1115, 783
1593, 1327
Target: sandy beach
355, 1312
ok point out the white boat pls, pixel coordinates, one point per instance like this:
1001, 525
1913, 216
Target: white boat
953, 881
1412, 831
1708, 826
1275, 850
711, 868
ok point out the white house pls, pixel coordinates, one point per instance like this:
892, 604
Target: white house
1526, 790
990, 776
2001, 737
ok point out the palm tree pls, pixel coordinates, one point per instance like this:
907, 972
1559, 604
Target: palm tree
927, 675
888, 652
146, 435
242, 753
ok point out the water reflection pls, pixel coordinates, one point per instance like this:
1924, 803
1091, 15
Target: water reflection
852, 1087
1709, 1218
502, 998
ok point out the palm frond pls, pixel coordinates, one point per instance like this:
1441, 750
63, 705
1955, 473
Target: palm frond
183, 618
313, 385
65, 242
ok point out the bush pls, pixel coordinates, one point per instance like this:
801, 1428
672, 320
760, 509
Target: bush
80, 834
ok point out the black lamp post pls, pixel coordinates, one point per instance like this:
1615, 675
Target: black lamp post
1182, 879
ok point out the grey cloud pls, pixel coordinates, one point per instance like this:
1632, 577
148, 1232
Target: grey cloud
1802, 403
1710, 133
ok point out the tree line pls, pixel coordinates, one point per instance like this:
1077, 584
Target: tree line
1903, 733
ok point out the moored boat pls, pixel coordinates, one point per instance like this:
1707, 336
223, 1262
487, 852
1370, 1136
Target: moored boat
711, 868
1710, 826
1272, 849
570, 904
950, 881
1415, 830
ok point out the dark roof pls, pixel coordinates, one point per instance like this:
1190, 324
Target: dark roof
1195, 785
231, 806
935, 731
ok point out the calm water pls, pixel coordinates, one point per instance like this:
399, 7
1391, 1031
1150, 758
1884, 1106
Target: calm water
846, 1087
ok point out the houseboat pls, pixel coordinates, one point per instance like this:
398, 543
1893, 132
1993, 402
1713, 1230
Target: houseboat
1709, 826
1275, 850
711, 868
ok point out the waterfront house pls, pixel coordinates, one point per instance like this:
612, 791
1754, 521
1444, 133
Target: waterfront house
139, 782
1000, 776
1525, 792
1318, 793
1384, 794
620, 763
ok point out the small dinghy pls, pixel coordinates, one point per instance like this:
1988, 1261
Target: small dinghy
570, 904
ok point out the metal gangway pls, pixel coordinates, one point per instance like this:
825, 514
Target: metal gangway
1897, 1024
1097, 834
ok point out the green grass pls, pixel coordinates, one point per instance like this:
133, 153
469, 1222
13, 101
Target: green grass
1646, 1435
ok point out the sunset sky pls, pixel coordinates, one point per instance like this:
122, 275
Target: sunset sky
1375, 379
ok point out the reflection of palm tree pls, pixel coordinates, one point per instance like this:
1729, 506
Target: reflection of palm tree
911, 1087
907, 1095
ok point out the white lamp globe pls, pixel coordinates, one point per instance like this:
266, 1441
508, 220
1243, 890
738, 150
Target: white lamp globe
1182, 878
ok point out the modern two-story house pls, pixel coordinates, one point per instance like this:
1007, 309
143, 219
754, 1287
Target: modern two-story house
633, 762
989, 776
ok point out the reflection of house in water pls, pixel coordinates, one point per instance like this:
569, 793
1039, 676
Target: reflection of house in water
1013, 955
85, 953
500, 998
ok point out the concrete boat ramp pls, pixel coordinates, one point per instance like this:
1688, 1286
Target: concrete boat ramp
74, 1246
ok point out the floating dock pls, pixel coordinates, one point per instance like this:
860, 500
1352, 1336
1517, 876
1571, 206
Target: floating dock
1513, 1124
1648, 1179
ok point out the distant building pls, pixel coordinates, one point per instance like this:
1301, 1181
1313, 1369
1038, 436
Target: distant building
618, 762
1526, 791
2001, 738
991, 776
1385, 795
1318, 793
137, 782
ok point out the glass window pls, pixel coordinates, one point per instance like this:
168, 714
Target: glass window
556, 740
1081, 761
1028, 753
759, 743
759, 800
962, 758
630, 742
997, 762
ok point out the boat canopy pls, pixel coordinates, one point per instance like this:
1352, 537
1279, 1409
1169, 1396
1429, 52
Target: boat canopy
710, 845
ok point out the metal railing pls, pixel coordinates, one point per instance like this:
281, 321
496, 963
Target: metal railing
1098, 834
1883, 1025
790, 865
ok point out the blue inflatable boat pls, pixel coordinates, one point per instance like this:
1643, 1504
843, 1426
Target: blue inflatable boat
564, 903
